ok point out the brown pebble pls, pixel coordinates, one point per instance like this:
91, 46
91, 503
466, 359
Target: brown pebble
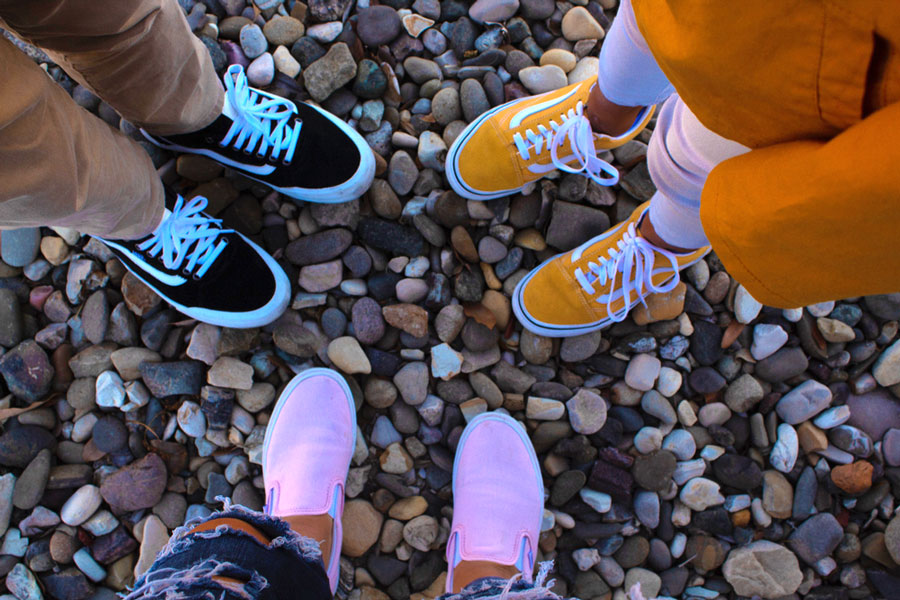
812, 439
717, 288
60, 359
741, 518
731, 333
410, 318
854, 478
661, 307
62, 547
463, 244
875, 548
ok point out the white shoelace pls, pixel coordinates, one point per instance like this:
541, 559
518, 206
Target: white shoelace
634, 258
577, 129
187, 234
260, 122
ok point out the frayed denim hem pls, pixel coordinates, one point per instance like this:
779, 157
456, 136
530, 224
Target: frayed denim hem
496, 588
197, 581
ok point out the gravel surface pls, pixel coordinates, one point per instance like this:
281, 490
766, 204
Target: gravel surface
706, 447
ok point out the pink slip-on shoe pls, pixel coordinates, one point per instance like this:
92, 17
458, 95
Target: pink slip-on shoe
307, 451
498, 496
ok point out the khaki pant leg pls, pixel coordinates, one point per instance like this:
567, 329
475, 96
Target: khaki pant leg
137, 55
61, 165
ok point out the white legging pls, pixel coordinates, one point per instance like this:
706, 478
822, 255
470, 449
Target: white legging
682, 150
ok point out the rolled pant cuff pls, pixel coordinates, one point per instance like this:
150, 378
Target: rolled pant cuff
497, 588
675, 223
198, 577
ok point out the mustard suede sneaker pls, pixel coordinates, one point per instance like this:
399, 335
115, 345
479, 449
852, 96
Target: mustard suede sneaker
519, 142
599, 282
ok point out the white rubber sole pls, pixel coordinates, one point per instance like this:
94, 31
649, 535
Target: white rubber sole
560, 331
351, 189
259, 317
451, 167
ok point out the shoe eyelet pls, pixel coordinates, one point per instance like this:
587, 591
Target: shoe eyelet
285, 162
195, 277
209, 139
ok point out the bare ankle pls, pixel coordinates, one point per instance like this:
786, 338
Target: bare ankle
468, 571
316, 527
648, 232
608, 117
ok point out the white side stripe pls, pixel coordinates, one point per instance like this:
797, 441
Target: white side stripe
170, 280
525, 113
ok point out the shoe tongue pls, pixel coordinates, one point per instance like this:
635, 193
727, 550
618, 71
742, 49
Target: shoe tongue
228, 110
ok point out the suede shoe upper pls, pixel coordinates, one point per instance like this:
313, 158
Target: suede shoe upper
598, 283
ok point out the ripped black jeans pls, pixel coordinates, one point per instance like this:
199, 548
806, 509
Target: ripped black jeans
289, 567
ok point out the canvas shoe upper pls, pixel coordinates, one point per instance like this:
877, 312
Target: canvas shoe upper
498, 496
522, 141
298, 149
599, 282
307, 451
208, 273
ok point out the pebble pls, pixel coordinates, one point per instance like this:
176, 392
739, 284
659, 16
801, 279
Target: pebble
27, 371
543, 79
544, 409
816, 538
643, 369
253, 42
348, 356
154, 538
587, 412
135, 486
579, 24
493, 10
763, 569
599, 501
81, 505
744, 393
22, 583
333, 70
804, 402
412, 383
261, 71
658, 406
700, 493
886, 369
854, 478
7, 491
563, 59
786, 449
832, 417
680, 443
767, 339
378, 25
446, 363
421, 532
432, 151
20, 246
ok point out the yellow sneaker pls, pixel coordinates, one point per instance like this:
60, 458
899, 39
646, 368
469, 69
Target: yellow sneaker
599, 282
522, 141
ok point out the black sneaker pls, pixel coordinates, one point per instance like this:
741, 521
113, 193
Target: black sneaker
299, 150
208, 273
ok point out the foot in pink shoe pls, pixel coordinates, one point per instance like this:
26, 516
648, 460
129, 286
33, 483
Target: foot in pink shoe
498, 502
306, 456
